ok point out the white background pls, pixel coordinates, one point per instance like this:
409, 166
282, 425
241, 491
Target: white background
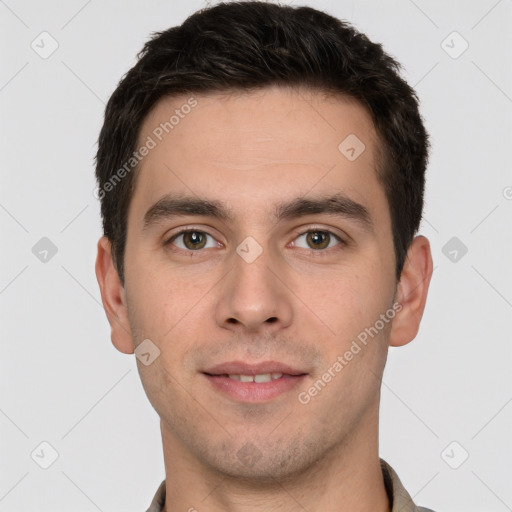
62, 381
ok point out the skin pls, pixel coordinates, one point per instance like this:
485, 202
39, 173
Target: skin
203, 307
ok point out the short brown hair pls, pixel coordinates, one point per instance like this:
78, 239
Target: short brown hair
250, 45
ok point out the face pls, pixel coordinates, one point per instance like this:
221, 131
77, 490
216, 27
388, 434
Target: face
257, 245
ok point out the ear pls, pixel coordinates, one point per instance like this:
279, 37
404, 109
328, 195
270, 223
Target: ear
412, 292
113, 297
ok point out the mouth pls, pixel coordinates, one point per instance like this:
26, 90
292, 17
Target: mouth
258, 378
253, 383
248, 369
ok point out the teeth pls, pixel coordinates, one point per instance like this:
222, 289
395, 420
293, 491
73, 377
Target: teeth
262, 378
266, 377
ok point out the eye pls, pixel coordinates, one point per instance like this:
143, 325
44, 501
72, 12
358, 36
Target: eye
192, 240
318, 239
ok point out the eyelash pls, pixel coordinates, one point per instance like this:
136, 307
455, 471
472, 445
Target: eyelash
318, 252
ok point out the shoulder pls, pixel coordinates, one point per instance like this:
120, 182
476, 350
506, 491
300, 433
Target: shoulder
398, 496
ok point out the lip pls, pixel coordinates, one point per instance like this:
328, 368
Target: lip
253, 392
241, 368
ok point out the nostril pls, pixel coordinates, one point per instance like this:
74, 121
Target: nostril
272, 320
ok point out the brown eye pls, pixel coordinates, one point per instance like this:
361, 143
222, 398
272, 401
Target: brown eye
192, 240
318, 240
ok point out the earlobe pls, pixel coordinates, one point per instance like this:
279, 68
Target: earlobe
113, 298
412, 292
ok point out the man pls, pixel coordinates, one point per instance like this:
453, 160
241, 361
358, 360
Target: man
261, 173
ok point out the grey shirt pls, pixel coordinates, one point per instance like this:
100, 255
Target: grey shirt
398, 496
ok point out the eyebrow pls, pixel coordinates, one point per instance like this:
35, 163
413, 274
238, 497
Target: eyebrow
337, 205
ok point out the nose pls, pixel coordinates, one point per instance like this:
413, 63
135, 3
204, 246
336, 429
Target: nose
254, 296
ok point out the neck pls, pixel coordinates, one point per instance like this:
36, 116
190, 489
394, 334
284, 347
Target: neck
347, 478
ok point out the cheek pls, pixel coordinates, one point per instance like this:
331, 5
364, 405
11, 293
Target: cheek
358, 337
169, 391
156, 299
351, 301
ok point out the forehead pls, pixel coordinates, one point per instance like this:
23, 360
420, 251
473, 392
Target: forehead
250, 148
